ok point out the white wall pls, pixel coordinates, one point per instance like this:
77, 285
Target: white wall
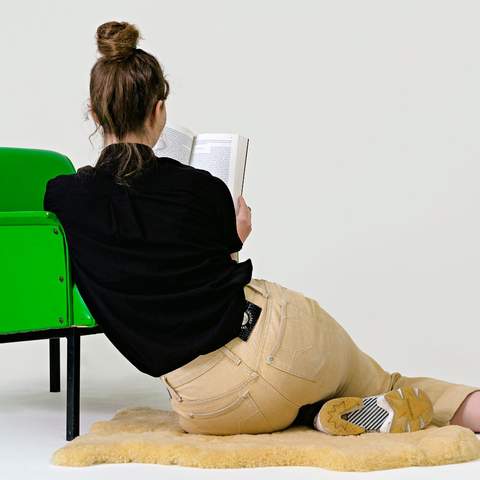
364, 157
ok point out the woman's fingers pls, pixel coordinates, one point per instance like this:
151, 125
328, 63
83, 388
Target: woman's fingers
243, 208
244, 219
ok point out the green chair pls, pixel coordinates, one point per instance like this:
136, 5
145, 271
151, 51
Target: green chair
38, 298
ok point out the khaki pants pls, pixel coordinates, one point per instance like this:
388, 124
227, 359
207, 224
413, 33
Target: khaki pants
297, 354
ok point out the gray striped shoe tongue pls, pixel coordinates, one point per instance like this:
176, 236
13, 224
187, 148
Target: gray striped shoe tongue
370, 416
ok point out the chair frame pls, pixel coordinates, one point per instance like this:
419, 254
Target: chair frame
73, 335
75, 320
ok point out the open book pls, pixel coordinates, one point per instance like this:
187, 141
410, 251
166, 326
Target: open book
222, 154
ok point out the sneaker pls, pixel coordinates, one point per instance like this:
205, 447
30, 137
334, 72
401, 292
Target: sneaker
405, 409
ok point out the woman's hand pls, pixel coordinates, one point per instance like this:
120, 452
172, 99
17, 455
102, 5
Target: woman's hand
244, 219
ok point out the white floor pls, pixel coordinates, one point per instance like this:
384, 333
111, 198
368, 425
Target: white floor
32, 421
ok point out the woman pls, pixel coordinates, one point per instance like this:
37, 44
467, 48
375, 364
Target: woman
151, 243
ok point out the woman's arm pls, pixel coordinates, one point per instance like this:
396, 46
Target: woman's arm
244, 222
233, 228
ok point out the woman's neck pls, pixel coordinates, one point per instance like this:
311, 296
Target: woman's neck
129, 138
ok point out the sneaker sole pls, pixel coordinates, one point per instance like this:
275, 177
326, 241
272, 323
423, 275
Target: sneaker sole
406, 409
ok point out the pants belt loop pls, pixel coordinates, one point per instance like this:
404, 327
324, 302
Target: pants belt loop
236, 359
259, 290
172, 390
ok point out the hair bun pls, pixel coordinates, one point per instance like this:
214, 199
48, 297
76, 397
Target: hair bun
117, 40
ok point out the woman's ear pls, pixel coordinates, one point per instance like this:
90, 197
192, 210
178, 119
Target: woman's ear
157, 112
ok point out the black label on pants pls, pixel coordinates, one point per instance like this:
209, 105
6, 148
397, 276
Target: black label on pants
250, 317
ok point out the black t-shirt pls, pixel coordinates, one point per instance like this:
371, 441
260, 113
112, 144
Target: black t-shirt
152, 261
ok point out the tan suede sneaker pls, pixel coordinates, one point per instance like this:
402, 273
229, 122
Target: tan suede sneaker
405, 409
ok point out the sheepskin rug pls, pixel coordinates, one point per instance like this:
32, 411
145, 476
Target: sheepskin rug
147, 435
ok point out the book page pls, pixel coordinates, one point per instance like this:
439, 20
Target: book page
175, 142
223, 155
213, 152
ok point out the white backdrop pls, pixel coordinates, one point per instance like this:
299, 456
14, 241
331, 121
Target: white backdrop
363, 163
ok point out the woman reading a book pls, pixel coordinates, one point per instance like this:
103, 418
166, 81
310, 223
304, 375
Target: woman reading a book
151, 243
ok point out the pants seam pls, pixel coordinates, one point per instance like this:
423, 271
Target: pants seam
280, 393
267, 320
261, 411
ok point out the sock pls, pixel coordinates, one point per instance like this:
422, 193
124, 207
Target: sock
317, 424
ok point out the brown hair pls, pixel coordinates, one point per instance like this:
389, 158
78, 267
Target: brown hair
125, 85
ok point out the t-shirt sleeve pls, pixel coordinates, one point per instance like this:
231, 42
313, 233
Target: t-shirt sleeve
52, 200
227, 220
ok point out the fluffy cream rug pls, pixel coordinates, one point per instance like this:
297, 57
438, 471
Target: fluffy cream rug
146, 435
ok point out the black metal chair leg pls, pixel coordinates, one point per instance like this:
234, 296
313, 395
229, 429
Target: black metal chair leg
54, 350
73, 383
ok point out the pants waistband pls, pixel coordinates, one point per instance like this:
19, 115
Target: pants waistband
181, 375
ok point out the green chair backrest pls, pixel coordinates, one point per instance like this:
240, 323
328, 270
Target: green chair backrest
23, 178
24, 174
